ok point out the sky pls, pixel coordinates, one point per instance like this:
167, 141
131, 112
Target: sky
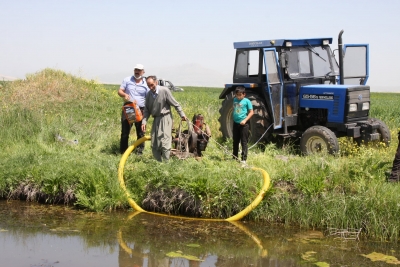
187, 42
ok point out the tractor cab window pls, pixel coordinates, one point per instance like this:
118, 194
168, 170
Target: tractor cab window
304, 63
247, 64
241, 64
253, 63
311, 62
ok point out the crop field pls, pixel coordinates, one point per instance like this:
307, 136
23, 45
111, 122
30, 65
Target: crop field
60, 142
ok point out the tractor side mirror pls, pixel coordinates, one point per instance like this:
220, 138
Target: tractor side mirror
283, 59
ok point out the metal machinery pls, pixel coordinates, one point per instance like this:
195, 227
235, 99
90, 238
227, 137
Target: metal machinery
298, 90
192, 141
169, 85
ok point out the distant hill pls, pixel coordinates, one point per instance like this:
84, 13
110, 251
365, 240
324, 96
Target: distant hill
181, 75
194, 75
7, 78
385, 89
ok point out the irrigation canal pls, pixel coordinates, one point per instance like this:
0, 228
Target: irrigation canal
33, 234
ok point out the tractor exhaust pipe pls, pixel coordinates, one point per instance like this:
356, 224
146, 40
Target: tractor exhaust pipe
340, 48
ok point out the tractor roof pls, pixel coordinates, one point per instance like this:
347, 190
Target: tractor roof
280, 43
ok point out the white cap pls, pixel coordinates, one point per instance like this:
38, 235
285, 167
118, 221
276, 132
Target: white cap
139, 67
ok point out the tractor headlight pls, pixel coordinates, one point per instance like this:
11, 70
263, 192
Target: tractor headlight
325, 42
353, 107
289, 44
365, 106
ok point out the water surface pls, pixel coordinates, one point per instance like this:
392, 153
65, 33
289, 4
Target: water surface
48, 235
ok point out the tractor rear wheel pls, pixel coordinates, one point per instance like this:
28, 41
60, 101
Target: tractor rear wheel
226, 117
259, 122
318, 139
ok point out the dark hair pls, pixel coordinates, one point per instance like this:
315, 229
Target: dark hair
240, 89
153, 77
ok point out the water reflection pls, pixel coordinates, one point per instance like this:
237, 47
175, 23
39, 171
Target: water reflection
44, 235
188, 231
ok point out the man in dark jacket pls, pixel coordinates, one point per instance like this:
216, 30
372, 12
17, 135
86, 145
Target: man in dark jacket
395, 174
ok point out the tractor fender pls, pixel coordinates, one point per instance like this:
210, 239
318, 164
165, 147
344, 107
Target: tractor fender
230, 88
226, 91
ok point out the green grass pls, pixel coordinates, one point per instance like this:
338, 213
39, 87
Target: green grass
319, 191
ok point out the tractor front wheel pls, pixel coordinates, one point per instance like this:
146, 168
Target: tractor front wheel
318, 139
383, 130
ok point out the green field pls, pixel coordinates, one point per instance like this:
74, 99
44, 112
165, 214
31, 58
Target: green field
60, 143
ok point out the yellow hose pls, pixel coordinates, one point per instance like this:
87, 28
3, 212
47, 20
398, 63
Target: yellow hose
236, 217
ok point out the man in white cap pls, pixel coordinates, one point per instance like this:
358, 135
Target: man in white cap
133, 88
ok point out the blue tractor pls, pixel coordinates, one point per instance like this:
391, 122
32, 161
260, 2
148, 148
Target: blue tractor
298, 90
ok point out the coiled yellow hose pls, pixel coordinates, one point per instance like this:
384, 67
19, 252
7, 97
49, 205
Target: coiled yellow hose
238, 216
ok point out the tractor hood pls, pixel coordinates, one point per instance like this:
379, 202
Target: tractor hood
330, 97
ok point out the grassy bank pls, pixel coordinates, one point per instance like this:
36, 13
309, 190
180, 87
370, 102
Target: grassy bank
60, 142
